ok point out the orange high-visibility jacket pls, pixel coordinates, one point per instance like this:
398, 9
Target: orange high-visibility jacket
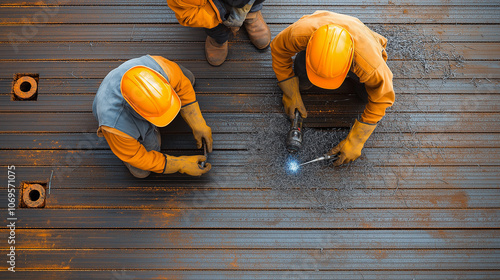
196, 13
369, 62
127, 148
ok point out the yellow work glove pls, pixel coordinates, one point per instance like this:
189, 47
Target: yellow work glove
192, 115
350, 148
291, 97
186, 164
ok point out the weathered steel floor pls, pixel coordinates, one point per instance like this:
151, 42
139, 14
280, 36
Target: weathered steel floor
437, 217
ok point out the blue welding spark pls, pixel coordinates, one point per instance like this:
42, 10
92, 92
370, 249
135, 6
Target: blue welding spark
293, 166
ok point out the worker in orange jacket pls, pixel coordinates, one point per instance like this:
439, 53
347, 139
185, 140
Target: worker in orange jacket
219, 18
330, 47
135, 99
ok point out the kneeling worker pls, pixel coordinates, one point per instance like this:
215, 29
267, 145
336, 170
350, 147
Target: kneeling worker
330, 47
135, 99
219, 18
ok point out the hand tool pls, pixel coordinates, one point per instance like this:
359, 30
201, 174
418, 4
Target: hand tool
202, 164
323, 157
294, 136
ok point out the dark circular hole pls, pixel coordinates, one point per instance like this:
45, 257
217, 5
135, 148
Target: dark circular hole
34, 195
25, 86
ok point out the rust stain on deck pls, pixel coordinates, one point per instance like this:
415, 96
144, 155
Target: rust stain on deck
457, 200
234, 263
379, 254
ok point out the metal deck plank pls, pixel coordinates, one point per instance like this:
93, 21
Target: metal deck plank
235, 177
233, 69
273, 13
170, 196
316, 103
174, 33
256, 275
241, 259
245, 123
377, 156
241, 141
258, 219
183, 51
256, 239
454, 87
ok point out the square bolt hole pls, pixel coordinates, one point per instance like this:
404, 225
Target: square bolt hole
32, 194
25, 86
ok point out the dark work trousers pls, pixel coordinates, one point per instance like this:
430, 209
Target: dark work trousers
221, 32
299, 68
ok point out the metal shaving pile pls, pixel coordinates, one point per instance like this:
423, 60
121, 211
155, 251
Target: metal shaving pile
409, 47
319, 185
404, 44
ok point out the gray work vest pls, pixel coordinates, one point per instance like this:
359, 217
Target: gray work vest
112, 110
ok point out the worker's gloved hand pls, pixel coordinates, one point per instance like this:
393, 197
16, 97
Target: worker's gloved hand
291, 97
237, 16
350, 148
192, 115
186, 164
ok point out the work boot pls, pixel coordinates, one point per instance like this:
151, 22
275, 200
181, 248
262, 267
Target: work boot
136, 172
257, 29
216, 53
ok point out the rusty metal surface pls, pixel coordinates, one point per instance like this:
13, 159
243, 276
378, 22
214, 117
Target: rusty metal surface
274, 14
257, 275
428, 210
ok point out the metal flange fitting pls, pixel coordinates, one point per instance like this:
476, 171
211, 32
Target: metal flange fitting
34, 196
25, 87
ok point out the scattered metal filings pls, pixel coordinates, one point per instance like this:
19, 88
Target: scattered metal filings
33, 196
320, 186
410, 46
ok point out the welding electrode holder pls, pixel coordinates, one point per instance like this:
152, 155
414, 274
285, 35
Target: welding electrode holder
294, 137
323, 157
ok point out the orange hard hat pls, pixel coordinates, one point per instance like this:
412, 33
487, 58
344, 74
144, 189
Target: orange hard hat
150, 95
329, 56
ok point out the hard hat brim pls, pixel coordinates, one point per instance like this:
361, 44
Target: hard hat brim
169, 116
326, 83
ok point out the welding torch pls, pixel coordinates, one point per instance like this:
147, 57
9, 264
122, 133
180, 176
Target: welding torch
294, 137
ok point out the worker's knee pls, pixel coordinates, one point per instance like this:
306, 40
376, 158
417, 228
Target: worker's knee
152, 140
188, 74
